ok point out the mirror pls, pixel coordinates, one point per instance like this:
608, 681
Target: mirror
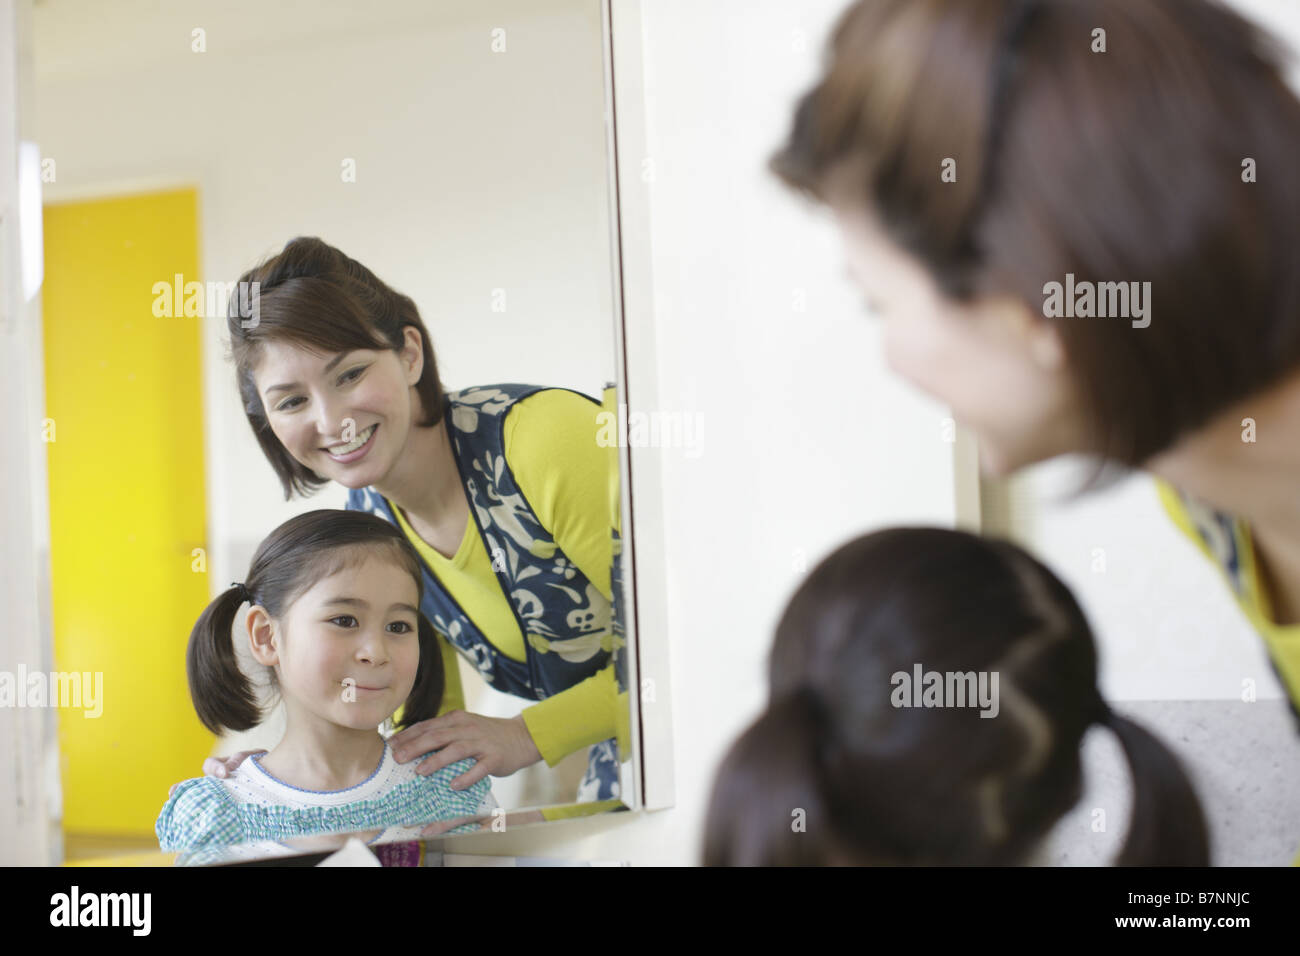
459, 152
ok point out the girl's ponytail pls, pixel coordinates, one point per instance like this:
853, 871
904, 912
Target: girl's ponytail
1167, 827
222, 694
767, 808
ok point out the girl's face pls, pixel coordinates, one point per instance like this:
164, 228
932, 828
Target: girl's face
314, 402
348, 648
998, 367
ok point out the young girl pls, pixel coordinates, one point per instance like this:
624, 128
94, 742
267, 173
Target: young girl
334, 615
855, 761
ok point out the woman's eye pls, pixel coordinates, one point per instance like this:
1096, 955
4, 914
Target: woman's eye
351, 375
287, 405
343, 617
405, 628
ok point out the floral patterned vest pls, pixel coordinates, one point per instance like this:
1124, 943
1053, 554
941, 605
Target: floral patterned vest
564, 619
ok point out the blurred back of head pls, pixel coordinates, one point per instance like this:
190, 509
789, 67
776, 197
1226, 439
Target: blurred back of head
843, 768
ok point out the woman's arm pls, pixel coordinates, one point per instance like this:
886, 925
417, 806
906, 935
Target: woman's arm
578, 717
566, 478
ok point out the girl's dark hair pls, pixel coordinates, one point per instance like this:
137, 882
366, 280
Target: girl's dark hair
293, 557
835, 772
1116, 166
313, 296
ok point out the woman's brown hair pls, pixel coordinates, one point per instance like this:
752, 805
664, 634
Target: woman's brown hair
1116, 166
293, 557
313, 296
835, 770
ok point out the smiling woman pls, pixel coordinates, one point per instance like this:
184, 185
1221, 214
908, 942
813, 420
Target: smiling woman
318, 308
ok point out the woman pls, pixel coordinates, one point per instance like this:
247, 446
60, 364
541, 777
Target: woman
981, 158
501, 489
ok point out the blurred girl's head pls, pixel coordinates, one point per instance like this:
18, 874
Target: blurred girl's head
324, 353
974, 152
335, 616
840, 768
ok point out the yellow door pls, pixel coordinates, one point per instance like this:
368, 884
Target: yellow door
127, 502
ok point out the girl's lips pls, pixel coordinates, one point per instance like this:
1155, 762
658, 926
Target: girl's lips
354, 455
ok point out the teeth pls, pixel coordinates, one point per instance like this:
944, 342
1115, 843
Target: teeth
353, 445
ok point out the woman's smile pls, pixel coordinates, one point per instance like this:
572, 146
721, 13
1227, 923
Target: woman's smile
355, 449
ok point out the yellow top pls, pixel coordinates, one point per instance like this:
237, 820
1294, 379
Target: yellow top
1231, 538
1228, 536
551, 448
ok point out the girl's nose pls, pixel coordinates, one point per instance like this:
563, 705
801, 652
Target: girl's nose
373, 650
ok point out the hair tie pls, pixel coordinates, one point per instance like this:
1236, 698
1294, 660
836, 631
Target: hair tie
243, 591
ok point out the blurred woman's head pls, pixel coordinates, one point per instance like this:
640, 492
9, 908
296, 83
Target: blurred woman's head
856, 762
334, 368
975, 152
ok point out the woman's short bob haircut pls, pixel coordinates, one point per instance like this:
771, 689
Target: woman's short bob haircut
1114, 140
313, 296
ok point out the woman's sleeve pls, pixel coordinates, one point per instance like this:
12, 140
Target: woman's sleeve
564, 473
199, 813
551, 447
578, 717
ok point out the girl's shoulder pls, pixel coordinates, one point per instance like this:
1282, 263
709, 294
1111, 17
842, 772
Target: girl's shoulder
199, 812
432, 797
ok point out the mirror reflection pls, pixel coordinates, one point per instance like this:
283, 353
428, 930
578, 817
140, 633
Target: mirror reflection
330, 376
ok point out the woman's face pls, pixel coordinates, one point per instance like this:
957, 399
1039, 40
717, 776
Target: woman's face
314, 403
997, 366
348, 649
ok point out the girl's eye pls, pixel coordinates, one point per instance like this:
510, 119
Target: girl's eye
343, 617
351, 375
406, 628
286, 405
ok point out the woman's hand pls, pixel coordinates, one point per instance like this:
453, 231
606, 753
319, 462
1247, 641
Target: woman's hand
225, 766
499, 745
221, 766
